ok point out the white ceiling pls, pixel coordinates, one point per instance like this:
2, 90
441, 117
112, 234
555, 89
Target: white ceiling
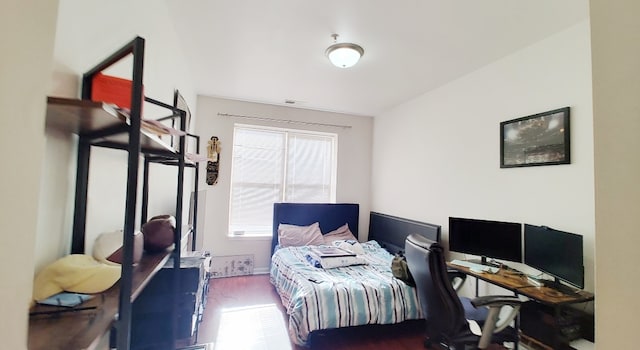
273, 50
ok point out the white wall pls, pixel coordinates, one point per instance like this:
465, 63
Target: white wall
615, 111
354, 167
26, 59
616, 91
87, 33
438, 155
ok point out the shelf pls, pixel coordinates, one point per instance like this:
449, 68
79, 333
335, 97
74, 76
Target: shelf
101, 123
104, 125
84, 329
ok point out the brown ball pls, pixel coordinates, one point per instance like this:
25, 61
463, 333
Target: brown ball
158, 233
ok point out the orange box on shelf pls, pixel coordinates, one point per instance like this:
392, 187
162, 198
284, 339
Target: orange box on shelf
114, 90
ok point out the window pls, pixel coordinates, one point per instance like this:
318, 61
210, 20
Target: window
277, 165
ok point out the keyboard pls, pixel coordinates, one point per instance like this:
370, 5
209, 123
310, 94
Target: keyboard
475, 267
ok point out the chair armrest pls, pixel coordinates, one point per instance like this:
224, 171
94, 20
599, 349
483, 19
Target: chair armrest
457, 278
496, 301
494, 323
455, 273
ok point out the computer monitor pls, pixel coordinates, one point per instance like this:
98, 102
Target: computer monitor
488, 239
556, 253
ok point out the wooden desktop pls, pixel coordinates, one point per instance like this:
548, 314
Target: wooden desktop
518, 283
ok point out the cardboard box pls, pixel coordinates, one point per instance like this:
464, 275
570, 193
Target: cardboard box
114, 90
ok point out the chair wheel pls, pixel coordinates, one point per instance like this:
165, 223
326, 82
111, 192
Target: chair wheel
427, 343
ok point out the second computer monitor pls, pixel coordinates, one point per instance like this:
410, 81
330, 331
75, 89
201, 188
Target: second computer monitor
555, 252
487, 239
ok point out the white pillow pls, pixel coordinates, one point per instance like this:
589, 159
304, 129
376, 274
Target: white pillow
342, 233
107, 247
296, 236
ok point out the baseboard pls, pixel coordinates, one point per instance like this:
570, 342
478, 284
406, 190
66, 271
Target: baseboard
207, 346
261, 271
582, 344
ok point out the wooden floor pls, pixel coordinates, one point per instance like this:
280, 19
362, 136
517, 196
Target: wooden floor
245, 313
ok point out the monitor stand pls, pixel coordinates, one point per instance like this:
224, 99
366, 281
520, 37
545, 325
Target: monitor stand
483, 261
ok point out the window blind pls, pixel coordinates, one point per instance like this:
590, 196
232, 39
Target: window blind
277, 165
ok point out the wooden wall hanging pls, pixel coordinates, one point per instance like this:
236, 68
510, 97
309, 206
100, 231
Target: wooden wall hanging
213, 164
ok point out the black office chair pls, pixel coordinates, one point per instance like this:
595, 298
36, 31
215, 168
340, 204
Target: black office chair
447, 319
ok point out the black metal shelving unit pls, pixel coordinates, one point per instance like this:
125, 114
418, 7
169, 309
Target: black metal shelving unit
99, 124
181, 163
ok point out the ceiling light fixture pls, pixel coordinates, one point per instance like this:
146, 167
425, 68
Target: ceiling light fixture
343, 55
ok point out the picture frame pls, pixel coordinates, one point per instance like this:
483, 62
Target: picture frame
534, 140
181, 103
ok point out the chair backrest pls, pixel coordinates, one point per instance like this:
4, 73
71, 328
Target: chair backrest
440, 304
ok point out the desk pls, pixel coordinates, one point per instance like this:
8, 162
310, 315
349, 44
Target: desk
518, 283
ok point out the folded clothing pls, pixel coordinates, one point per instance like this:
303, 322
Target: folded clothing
334, 261
349, 245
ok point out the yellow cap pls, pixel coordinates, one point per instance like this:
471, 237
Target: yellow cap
77, 273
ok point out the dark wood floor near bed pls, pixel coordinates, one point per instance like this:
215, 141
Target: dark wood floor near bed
246, 292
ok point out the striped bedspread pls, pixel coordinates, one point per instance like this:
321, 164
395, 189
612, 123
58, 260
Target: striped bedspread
318, 298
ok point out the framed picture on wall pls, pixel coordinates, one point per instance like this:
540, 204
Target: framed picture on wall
539, 139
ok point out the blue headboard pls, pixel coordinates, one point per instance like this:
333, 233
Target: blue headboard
330, 216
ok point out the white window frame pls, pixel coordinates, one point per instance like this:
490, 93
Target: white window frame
267, 232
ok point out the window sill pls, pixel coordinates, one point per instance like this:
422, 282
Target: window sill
249, 237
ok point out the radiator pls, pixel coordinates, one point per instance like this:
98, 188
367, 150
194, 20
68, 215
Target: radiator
232, 265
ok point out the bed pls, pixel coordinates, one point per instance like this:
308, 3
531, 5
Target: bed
326, 298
